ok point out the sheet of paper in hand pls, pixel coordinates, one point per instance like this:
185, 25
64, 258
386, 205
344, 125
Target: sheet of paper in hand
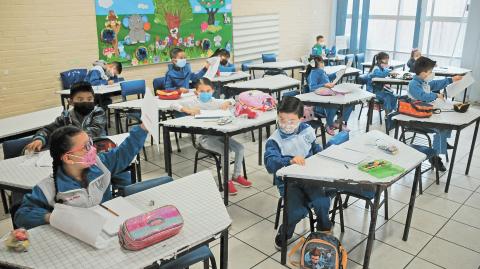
150, 116
212, 70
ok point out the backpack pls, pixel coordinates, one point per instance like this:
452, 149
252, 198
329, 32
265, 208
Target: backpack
308, 114
257, 100
324, 249
417, 109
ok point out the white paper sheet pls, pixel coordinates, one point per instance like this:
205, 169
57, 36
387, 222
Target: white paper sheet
226, 74
339, 75
458, 87
213, 114
349, 63
341, 42
122, 207
346, 87
343, 155
82, 223
44, 159
150, 116
212, 70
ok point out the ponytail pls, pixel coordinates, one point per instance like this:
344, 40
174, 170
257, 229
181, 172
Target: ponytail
374, 63
377, 59
317, 59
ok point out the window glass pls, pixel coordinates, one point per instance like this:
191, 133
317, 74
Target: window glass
382, 7
381, 34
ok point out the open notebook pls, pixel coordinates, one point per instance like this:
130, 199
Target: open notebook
213, 114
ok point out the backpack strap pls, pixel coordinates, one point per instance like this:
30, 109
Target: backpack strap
297, 246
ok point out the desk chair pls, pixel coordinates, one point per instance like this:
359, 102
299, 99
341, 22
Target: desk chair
270, 58
72, 76
359, 59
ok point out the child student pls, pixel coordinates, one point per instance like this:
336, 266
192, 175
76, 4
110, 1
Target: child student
84, 114
291, 143
320, 48
180, 73
424, 88
80, 177
318, 78
205, 101
381, 69
414, 55
225, 65
103, 73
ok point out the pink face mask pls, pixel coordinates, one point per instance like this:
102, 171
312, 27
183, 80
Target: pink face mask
90, 157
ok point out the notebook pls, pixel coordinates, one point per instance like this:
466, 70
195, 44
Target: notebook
343, 155
120, 206
213, 114
339, 75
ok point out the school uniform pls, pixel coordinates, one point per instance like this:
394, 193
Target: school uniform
319, 50
280, 149
229, 67
98, 76
317, 79
388, 98
71, 192
422, 90
177, 78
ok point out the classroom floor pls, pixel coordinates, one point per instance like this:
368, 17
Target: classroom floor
445, 229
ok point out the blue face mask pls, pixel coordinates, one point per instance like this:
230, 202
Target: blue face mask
181, 63
205, 96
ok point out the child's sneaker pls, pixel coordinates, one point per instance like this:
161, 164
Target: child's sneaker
330, 130
231, 188
242, 182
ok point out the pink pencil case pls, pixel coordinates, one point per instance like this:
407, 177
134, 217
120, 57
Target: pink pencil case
150, 228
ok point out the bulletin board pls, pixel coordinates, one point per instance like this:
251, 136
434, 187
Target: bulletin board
141, 32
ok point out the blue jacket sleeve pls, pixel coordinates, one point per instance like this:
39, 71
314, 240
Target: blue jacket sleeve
438, 84
316, 148
378, 73
415, 89
117, 159
317, 80
332, 77
95, 78
33, 209
196, 76
273, 157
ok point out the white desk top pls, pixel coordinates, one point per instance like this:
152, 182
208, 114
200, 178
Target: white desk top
393, 63
101, 89
235, 125
163, 105
278, 65
450, 70
227, 77
335, 68
28, 122
21, 172
447, 118
397, 80
355, 96
338, 57
268, 83
326, 169
196, 197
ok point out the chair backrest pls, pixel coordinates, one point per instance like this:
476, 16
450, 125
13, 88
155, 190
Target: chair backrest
349, 57
222, 68
359, 59
132, 87
145, 185
159, 83
14, 148
245, 66
72, 76
338, 139
269, 57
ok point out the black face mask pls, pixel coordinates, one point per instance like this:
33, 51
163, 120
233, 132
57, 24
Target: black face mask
83, 108
224, 62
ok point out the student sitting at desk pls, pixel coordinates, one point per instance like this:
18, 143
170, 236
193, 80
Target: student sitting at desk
291, 143
80, 177
104, 73
84, 115
225, 65
318, 78
424, 88
414, 55
206, 101
320, 48
180, 73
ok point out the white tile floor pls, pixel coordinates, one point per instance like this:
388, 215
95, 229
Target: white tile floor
445, 229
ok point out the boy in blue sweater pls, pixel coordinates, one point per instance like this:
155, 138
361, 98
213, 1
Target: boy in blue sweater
180, 73
424, 88
291, 143
104, 73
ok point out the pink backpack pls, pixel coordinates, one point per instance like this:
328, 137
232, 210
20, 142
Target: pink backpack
257, 100
308, 114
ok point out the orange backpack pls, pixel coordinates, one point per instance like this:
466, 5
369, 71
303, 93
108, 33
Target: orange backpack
417, 109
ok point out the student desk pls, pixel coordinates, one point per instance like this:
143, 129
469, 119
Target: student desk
196, 197
356, 97
334, 69
392, 81
394, 63
268, 84
230, 77
335, 59
450, 71
191, 125
27, 124
102, 91
445, 121
281, 65
326, 172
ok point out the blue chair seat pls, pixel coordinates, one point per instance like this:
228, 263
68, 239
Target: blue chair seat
202, 253
430, 152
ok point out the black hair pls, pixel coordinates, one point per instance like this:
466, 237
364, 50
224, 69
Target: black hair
424, 64
204, 81
317, 59
61, 143
319, 37
221, 52
291, 104
377, 59
174, 52
81, 86
118, 66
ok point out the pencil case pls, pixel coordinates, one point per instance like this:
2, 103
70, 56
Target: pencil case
150, 228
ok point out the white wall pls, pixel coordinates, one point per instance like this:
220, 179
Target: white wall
471, 49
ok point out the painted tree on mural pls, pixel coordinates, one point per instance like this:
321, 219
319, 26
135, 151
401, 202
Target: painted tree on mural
172, 13
212, 7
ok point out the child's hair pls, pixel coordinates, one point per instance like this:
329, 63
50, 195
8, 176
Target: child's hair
204, 81
377, 59
315, 252
319, 37
61, 143
81, 86
118, 66
424, 64
221, 52
174, 52
317, 59
413, 52
290, 104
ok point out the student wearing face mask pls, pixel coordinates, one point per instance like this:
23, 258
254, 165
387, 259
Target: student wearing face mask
80, 177
291, 143
225, 65
424, 88
320, 48
206, 101
84, 115
180, 73
104, 73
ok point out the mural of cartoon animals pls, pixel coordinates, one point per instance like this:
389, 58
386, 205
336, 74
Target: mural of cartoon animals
137, 33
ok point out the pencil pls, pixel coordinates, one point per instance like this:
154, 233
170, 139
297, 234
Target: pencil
109, 210
345, 166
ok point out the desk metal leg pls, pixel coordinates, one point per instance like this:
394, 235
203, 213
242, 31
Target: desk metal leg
260, 146
167, 151
474, 139
117, 121
369, 115
452, 161
465, 95
413, 195
224, 250
62, 100
4, 201
371, 230
340, 118
283, 227
226, 166
397, 127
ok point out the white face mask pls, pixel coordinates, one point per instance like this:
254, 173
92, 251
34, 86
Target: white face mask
430, 77
288, 128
